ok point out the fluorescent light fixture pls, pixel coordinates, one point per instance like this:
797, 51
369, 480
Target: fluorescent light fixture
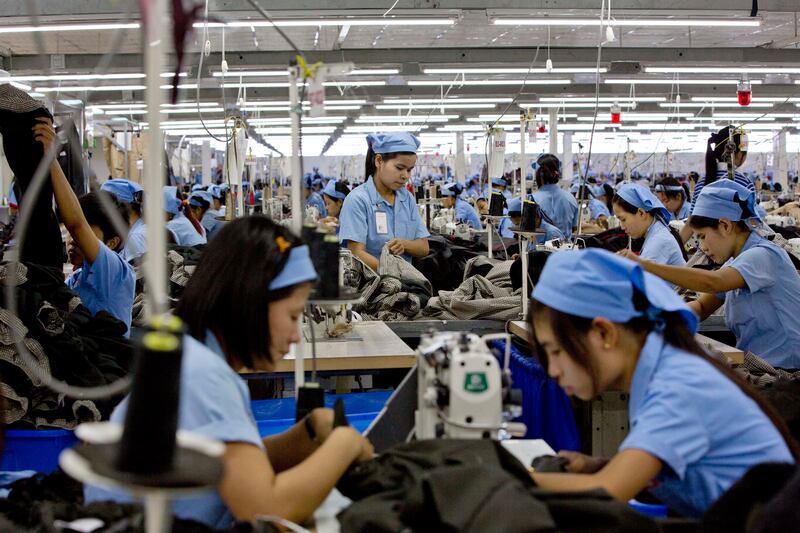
572, 105
723, 70
187, 104
669, 81
266, 85
122, 106
375, 129
733, 117
651, 22
612, 99
288, 131
278, 73
69, 27
287, 120
71, 102
191, 110
91, 88
565, 70
21, 86
660, 126
436, 106
458, 83
405, 120
285, 109
366, 21
446, 100
689, 105
735, 99
81, 77
34, 94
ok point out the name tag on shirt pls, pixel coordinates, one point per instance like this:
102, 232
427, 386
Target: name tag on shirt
382, 222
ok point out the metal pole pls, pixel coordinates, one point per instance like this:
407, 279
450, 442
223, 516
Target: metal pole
155, 266
523, 158
295, 110
523, 252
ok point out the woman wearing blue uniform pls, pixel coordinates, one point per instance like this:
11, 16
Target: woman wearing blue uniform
599, 212
131, 195
334, 195
381, 212
674, 197
695, 426
185, 233
209, 220
465, 213
502, 185
558, 205
249, 319
515, 217
199, 204
757, 283
642, 215
312, 198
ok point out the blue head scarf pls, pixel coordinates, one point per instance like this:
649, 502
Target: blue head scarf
500, 182
642, 198
594, 282
452, 189
171, 202
330, 190
726, 199
298, 269
390, 143
216, 191
125, 191
515, 206
195, 197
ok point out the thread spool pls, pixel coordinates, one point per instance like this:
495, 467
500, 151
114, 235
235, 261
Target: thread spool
328, 268
530, 212
497, 204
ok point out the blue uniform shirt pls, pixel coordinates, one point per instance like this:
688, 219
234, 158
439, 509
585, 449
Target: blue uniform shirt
315, 200
702, 427
597, 209
661, 246
214, 403
509, 196
358, 221
738, 177
108, 284
185, 234
504, 229
684, 212
764, 316
467, 214
136, 245
210, 223
559, 206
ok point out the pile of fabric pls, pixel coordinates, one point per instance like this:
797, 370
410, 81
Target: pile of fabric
67, 342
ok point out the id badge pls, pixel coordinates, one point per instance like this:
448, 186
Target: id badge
382, 222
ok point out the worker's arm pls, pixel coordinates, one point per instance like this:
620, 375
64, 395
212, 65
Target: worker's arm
359, 250
695, 279
686, 233
293, 446
250, 486
626, 475
705, 305
415, 248
68, 205
602, 221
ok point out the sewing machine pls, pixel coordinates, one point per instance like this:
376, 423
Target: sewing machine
462, 392
555, 245
334, 320
780, 221
274, 209
442, 219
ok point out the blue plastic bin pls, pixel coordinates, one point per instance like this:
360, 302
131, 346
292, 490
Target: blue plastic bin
35, 449
276, 416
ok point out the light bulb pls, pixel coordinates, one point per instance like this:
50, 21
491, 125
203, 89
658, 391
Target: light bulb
548, 65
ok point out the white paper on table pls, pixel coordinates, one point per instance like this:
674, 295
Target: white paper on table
526, 450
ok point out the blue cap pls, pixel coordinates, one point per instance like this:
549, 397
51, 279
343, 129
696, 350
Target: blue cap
316, 181
171, 202
597, 190
330, 190
641, 197
123, 190
298, 269
200, 195
307, 181
515, 205
216, 191
389, 143
669, 188
452, 189
500, 182
198, 187
726, 199
601, 284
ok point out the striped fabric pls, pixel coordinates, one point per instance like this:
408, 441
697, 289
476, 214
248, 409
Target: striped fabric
739, 178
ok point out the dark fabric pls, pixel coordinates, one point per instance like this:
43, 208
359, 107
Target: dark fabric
741, 507
536, 261
612, 240
445, 263
782, 513
42, 244
784, 396
468, 486
70, 161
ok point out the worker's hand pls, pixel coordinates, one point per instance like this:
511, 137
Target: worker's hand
322, 422
582, 464
396, 246
362, 446
329, 224
629, 254
44, 132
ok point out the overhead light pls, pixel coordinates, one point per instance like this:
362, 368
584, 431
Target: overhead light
91, 88
565, 70
187, 104
446, 100
69, 27
122, 106
736, 116
278, 73
286, 84
488, 82
89, 77
21, 86
660, 126
287, 120
735, 99
375, 129
669, 81
34, 94
572, 105
271, 104
436, 106
71, 102
712, 104
393, 119
285, 109
651, 22
294, 23
612, 99
723, 70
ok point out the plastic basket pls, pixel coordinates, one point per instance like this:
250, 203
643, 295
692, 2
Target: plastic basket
35, 449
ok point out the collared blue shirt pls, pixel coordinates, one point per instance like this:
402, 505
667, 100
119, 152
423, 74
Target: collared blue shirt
108, 284
684, 212
315, 200
467, 214
765, 315
136, 244
661, 246
597, 209
559, 206
214, 403
357, 221
185, 234
738, 177
699, 424
508, 194
210, 223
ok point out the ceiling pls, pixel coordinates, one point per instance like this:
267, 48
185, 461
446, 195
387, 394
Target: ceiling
469, 39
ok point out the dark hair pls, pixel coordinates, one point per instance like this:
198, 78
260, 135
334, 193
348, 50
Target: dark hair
672, 182
220, 297
700, 222
717, 154
608, 190
548, 171
632, 209
369, 164
92, 207
571, 331
340, 187
457, 188
188, 213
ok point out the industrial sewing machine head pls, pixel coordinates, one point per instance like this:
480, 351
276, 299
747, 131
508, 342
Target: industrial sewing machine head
462, 391
334, 319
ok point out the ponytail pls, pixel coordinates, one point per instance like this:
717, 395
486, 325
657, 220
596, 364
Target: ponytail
716, 155
187, 212
711, 159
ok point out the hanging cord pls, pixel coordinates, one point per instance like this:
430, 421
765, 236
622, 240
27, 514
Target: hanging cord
205, 40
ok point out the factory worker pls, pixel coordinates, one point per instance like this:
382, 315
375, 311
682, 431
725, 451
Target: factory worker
515, 216
728, 139
465, 213
642, 215
695, 426
334, 194
482, 206
502, 185
599, 211
287, 475
312, 198
198, 187
199, 203
381, 212
474, 189
209, 220
182, 229
558, 205
131, 195
102, 279
757, 282
674, 197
